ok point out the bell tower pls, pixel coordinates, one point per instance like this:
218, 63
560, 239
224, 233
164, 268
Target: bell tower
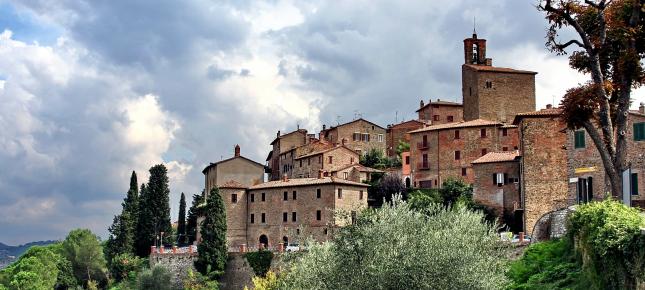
475, 51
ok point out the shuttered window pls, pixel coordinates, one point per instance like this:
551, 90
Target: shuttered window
639, 131
579, 139
634, 181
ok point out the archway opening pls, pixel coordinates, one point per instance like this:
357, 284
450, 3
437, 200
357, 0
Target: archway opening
407, 182
264, 240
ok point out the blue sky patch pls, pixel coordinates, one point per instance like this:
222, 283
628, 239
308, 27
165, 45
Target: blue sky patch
25, 26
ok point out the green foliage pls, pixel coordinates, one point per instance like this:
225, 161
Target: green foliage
395, 247
402, 147
154, 210
373, 158
36, 269
123, 228
193, 213
454, 189
212, 250
548, 265
269, 282
260, 261
157, 278
608, 235
83, 250
123, 264
181, 224
196, 281
422, 199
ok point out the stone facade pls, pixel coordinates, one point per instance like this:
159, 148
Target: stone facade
359, 135
234, 196
399, 132
238, 168
440, 112
493, 93
445, 151
327, 160
355, 172
178, 264
281, 144
290, 166
496, 186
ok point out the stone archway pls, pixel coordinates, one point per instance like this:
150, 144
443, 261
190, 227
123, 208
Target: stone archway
407, 182
264, 240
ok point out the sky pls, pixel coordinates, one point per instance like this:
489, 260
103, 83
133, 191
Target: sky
92, 90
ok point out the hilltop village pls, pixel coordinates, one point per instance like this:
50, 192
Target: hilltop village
522, 162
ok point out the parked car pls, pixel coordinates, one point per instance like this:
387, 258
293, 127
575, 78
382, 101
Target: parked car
292, 248
516, 239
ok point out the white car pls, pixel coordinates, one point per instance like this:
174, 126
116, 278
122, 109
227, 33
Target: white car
516, 239
292, 248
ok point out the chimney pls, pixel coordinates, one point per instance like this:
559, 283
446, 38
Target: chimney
421, 104
549, 106
278, 133
642, 108
285, 178
438, 100
343, 141
237, 150
320, 174
324, 127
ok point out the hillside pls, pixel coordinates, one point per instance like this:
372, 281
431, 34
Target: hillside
8, 254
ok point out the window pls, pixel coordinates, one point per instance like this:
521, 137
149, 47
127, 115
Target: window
380, 138
285, 217
293, 216
263, 195
297, 231
252, 218
366, 137
457, 155
372, 127
470, 91
300, 162
489, 84
457, 134
252, 197
320, 159
435, 117
424, 161
504, 148
345, 175
285, 195
294, 195
340, 193
450, 119
356, 136
482, 132
351, 160
463, 172
585, 190
234, 198
484, 151
579, 137
325, 231
424, 144
318, 215
407, 159
318, 193
263, 218
499, 179
330, 159
504, 132
308, 161
639, 131
360, 195
634, 181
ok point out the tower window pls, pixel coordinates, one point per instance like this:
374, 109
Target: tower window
234, 198
504, 132
293, 216
463, 171
252, 218
475, 53
450, 119
285, 217
318, 193
263, 218
489, 84
483, 133
318, 215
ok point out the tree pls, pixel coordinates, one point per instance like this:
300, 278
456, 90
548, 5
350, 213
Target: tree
212, 249
453, 189
373, 158
181, 226
37, 268
154, 210
83, 249
193, 214
384, 188
124, 264
610, 43
157, 278
122, 230
395, 247
402, 147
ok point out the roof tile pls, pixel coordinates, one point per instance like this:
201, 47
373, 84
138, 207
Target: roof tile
497, 157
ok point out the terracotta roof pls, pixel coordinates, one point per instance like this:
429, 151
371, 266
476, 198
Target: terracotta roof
497, 157
440, 103
229, 159
232, 184
305, 182
325, 151
462, 124
360, 168
420, 122
303, 131
498, 69
539, 113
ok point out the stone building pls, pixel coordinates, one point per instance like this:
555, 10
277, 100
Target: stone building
355, 172
281, 144
396, 133
238, 168
360, 135
444, 151
493, 93
496, 185
440, 112
287, 159
289, 210
328, 160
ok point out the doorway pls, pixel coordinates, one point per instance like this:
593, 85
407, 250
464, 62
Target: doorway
264, 240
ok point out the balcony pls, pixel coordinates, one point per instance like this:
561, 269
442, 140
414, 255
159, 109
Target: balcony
422, 146
423, 166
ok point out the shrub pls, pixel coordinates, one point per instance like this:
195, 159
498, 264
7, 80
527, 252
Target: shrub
260, 261
157, 278
196, 281
398, 248
125, 263
270, 282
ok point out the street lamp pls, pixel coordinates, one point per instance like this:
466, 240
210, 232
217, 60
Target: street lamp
161, 244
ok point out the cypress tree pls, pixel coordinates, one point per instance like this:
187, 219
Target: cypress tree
212, 249
122, 230
154, 210
181, 226
193, 214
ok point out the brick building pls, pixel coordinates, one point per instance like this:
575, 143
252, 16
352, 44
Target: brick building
399, 132
440, 112
496, 185
360, 135
355, 172
281, 144
493, 93
444, 151
238, 168
289, 210
328, 160
287, 159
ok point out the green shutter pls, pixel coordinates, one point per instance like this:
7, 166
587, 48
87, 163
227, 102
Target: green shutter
634, 183
579, 139
639, 131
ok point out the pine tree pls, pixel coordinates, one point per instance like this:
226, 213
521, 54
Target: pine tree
181, 226
122, 230
212, 249
193, 214
154, 210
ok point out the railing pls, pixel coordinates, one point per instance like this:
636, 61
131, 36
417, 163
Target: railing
174, 250
423, 166
422, 145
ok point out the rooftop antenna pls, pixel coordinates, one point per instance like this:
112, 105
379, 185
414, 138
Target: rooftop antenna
474, 25
396, 118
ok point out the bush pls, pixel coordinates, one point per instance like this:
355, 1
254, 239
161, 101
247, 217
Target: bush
398, 248
260, 261
157, 278
196, 281
36, 269
123, 264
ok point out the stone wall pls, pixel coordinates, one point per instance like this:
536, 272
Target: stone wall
551, 225
177, 264
501, 198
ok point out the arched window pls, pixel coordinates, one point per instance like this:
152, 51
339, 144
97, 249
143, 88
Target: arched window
475, 53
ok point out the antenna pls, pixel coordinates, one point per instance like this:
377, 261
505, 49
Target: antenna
396, 118
474, 24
